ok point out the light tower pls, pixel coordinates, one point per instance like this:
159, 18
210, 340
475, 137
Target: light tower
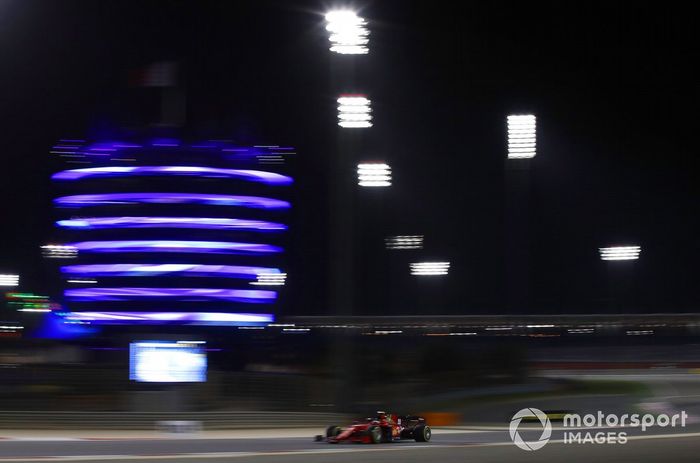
620, 262
170, 233
521, 149
349, 37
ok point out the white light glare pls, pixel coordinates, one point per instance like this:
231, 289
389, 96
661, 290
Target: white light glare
57, 251
270, 279
82, 281
521, 136
581, 330
620, 253
640, 333
349, 34
354, 112
404, 242
373, 175
430, 268
9, 280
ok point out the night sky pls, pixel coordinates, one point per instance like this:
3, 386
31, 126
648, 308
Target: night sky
613, 85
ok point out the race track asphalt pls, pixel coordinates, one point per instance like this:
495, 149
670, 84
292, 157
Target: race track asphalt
669, 445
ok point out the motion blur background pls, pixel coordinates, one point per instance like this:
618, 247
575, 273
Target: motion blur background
528, 312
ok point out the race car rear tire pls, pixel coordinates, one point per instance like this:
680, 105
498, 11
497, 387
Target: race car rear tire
387, 435
422, 433
333, 431
375, 434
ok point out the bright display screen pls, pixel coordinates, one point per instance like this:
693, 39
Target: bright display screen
167, 362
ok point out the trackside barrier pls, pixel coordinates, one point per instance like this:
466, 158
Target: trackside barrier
179, 426
150, 421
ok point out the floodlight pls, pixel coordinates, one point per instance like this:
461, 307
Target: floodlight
404, 242
9, 280
348, 33
521, 136
429, 268
373, 175
620, 253
354, 112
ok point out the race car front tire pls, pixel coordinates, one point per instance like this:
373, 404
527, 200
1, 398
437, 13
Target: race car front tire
375, 434
422, 433
332, 431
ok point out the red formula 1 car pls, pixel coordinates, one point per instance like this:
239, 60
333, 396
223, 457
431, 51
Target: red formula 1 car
384, 427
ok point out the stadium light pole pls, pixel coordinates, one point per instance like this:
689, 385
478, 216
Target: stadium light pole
348, 35
620, 262
521, 139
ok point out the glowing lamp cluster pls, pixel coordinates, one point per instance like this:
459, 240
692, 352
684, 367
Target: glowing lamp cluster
348, 33
404, 242
186, 270
208, 223
373, 175
430, 268
257, 176
106, 199
176, 246
522, 136
28, 302
82, 281
59, 251
158, 318
9, 279
180, 294
354, 112
270, 279
620, 253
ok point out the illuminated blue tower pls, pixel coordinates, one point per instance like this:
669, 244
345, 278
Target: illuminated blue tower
171, 233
